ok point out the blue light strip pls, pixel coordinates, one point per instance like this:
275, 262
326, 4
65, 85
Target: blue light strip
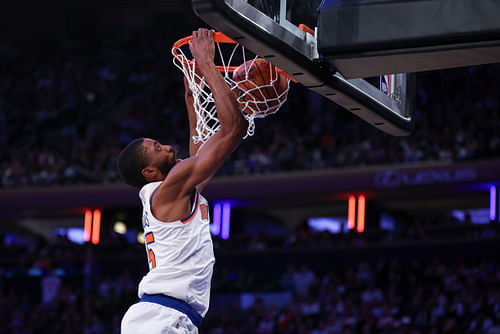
215, 228
226, 220
493, 202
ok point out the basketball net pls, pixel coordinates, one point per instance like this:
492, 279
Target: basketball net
207, 122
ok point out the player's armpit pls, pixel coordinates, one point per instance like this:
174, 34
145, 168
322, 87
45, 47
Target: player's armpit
203, 184
191, 172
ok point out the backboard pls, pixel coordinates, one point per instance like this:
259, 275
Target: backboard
354, 39
270, 29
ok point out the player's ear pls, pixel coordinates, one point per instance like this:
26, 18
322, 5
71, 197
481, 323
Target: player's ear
149, 173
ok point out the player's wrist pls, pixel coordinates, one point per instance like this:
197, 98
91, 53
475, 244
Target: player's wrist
209, 71
205, 65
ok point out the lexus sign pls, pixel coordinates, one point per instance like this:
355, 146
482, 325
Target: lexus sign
393, 178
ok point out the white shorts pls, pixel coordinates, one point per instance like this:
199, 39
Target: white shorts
152, 318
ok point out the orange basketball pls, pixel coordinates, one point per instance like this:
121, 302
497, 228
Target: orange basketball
259, 88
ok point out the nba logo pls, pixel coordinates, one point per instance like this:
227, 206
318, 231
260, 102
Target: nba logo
387, 84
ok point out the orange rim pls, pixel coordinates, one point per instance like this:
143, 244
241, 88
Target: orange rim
220, 38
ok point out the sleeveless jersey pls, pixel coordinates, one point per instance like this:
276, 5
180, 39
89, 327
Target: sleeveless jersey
180, 253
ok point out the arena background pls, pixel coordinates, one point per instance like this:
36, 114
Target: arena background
79, 80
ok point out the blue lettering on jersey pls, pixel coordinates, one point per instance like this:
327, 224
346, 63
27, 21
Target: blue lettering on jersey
145, 221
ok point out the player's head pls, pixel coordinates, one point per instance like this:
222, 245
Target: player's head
145, 160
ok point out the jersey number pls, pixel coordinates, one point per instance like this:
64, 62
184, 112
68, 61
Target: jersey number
149, 238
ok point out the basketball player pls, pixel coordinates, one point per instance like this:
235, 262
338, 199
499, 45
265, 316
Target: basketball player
174, 294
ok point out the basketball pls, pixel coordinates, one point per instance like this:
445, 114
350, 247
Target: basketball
259, 87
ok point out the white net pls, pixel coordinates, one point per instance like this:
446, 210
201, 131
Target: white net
257, 98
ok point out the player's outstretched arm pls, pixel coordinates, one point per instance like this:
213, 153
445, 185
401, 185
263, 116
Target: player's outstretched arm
190, 172
228, 110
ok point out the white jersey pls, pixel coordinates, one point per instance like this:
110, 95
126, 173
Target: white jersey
180, 253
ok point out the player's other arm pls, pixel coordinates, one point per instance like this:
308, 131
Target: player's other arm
193, 147
188, 97
190, 172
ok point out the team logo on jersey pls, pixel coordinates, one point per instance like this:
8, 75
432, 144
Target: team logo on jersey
145, 221
204, 211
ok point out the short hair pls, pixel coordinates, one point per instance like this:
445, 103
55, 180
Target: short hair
131, 161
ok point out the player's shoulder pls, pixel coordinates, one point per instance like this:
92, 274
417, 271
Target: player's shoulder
147, 191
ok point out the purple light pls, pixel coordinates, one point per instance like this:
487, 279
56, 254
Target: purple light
226, 220
493, 202
215, 228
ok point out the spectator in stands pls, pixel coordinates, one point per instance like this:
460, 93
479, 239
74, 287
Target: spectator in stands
50, 287
302, 280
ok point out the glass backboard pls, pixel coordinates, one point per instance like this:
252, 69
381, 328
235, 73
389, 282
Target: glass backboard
355, 39
271, 30
373, 37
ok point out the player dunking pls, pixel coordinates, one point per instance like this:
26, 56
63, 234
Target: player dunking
174, 294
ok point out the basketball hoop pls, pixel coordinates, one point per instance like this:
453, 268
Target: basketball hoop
229, 53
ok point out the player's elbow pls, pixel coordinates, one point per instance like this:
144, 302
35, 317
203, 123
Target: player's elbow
240, 128
236, 130
234, 134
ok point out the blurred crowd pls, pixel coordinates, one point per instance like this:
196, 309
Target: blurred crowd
61, 287
385, 297
67, 111
440, 228
84, 290
353, 284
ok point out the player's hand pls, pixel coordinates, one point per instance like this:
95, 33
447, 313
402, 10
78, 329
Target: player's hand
202, 46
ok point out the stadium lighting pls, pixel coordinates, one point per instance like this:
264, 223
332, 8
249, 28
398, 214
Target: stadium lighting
96, 227
120, 227
140, 237
216, 225
226, 220
493, 202
351, 212
361, 214
87, 225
